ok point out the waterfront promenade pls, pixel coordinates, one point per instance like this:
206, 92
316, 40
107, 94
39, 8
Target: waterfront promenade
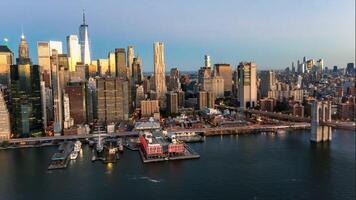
205, 131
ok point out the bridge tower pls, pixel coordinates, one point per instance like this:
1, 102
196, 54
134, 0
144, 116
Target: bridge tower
320, 113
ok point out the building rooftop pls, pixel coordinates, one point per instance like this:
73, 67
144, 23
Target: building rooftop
4, 48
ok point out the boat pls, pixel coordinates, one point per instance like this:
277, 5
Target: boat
186, 137
73, 155
77, 146
120, 145
99, 145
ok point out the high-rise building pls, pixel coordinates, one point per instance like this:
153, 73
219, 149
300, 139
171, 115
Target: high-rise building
6, 60
268, 82
112, 64
350, 69
207, 61
181, 98
202, 99
320, 65
225, 71
149, 107
77, 101
213, 84
159, 72
139, 96
43, 56
210, 103
73, 50
174, 80
137, 71
55, 45
68, 121
103, 66
112, 102
80, 74
120, 57
26, 115
247, 87
206, 99
57, 94
44, 52
5, 129
172, 102
130, 58
84, 42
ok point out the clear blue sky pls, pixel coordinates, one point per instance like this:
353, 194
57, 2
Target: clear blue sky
271, 33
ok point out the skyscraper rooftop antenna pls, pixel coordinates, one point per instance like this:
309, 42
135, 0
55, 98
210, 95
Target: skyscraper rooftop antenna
22, 35
83, 16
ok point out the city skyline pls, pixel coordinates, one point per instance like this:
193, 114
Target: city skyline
292, 36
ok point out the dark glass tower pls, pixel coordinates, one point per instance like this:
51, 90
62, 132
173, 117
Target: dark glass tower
26, 115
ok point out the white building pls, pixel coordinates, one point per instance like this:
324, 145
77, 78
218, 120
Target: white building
247, 87
73, 50
55, 45
84, 42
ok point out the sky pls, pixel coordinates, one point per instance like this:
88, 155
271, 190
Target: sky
271, 33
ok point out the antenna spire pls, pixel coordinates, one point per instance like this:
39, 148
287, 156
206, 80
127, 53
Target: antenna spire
22, 35
83, 16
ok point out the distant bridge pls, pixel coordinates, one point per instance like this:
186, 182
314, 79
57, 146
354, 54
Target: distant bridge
267, 114
242, 129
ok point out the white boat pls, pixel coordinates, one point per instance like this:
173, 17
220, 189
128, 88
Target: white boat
99, 145
73, 155
77, 146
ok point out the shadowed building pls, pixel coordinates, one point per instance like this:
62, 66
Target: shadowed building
26, 115
172, 102
120, 58
77, 101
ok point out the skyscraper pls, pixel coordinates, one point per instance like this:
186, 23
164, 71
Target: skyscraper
5, 129
112, 103
44, 57
174, 82
159, 72
26, 115
55, 45
120, 57
225, 71
103, 66
130, 57
137, 72
268, 81
77, 101
73, 51
6, 60
172, 102
247, 87
84, 42
112, 64
57, 94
